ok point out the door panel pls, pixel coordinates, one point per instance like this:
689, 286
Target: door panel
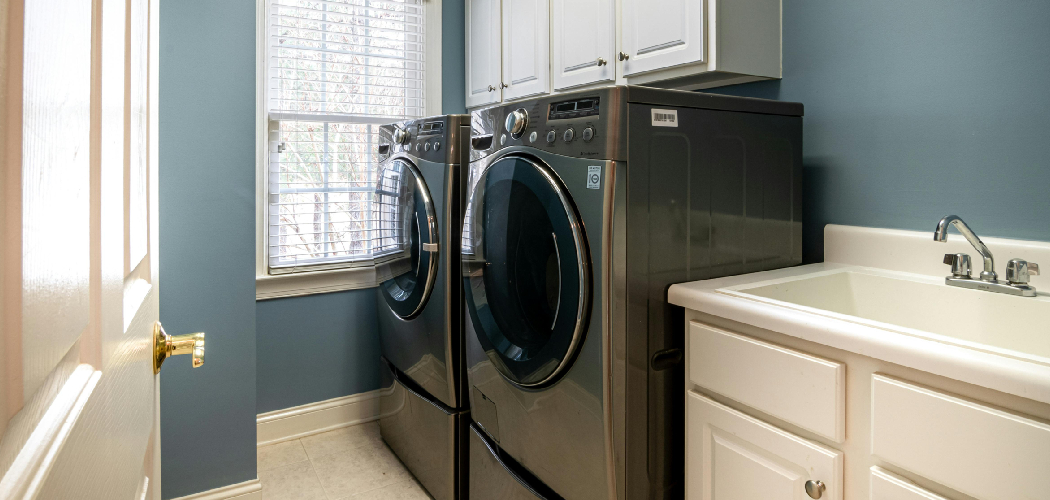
82, 395
527, 283
733, 456
526, 54
583, 42
662, 33
483, 52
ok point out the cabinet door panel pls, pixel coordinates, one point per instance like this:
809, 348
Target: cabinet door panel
733, 456
975, 449
582, 33
483, 52
662, 33
887, 486
526, 58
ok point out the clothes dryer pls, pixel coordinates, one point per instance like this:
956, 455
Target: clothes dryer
583, 208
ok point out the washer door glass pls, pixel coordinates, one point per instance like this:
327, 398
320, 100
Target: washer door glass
527, 276
405, 238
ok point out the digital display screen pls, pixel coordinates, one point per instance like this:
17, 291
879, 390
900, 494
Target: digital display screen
573, 109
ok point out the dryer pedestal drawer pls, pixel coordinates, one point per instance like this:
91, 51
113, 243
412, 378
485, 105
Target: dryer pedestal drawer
804, 390
975, 449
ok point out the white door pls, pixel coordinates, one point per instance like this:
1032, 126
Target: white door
583, 42
661, 33
526, 54
78, 408
483, 52
733, 456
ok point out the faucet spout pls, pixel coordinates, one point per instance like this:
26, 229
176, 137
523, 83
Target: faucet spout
941, 234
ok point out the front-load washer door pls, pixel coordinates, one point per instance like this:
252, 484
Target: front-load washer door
405, 238
526, 273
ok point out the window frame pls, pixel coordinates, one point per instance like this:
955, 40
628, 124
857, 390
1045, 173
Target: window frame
323, 278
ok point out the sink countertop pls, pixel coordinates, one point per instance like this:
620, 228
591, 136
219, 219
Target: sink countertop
902, 255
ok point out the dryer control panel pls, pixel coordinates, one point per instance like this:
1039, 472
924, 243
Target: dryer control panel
585, 124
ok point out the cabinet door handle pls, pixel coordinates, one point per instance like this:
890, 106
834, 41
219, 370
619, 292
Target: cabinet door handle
815, 489
503, 85
623, 56
601, 62
491, 88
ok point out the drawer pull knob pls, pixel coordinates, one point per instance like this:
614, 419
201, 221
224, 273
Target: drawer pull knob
815, 489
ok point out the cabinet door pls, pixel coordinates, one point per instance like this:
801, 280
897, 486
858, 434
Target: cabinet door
733, 456
483, 52
583, 42
661, 33
526, 56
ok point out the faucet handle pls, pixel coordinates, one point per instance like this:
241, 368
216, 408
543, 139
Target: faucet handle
960, 263
1019, 270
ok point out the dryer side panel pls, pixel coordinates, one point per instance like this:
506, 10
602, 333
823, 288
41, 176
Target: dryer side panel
710, 193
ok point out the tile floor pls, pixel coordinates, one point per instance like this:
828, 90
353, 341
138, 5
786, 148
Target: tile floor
352, 463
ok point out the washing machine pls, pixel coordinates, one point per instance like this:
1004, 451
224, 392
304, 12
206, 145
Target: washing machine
582, 209
417, 214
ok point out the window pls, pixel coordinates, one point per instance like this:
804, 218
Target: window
335, 71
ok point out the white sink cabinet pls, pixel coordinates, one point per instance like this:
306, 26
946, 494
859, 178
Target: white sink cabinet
879, 383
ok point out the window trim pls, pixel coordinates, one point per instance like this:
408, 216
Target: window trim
327, 278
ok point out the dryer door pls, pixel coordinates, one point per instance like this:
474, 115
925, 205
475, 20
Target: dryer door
526, 271
405, 238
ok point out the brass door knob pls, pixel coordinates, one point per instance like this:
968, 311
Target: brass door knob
166, 346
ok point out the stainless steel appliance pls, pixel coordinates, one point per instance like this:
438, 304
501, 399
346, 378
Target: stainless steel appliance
417, 215
582, 209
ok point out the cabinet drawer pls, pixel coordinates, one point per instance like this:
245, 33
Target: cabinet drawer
730, 456
975, 449
887, 486
804, 390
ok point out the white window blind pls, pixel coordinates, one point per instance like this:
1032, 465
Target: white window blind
338, 69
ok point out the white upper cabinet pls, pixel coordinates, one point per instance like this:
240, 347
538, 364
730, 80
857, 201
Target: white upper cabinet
583, 42
661, 33
526, 49
483, 52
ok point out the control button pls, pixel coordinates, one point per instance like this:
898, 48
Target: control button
426, 147
551, 136
533, 136
502, 139
418, 146
437, 145
588, 134
568, 135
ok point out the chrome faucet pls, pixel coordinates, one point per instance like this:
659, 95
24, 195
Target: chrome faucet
1017, 270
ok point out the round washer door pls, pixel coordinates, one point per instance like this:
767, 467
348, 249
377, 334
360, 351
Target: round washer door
527, 280
405, 237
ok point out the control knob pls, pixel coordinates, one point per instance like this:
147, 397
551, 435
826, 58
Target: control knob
516, 122
400, 135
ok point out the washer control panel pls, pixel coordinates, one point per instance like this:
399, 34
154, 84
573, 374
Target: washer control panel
425, 138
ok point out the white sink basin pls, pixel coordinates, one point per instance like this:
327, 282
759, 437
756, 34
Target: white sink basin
917, 305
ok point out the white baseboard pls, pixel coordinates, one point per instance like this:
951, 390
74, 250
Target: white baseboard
300, 421
248, 490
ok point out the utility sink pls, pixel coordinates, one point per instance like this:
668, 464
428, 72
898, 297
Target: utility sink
917, 305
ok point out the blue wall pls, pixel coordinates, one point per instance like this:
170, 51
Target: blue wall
453, 54
326, 346
919, 109
316, 347
207, 240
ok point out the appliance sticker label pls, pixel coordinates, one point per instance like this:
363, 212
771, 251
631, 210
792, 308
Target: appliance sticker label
665, 117
594, 177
